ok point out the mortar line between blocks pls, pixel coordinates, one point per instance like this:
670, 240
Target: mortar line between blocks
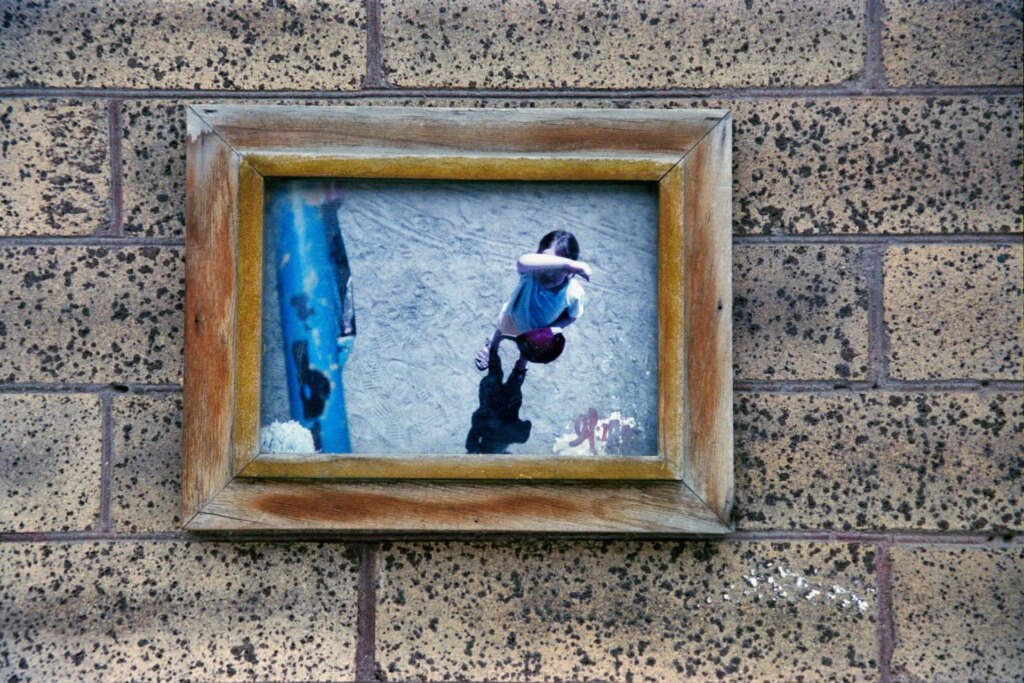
999, 238
840, 387
87, 388
878, 347
883, 593
366, 615
390, 91
374, 56
977, 539
874, 61
116, 164
107, 462
105, 240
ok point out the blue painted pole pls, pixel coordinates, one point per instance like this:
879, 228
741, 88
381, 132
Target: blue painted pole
317, 312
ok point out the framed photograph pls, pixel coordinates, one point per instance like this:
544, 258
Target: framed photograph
421, 319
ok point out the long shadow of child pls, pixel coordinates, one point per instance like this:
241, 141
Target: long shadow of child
496, 423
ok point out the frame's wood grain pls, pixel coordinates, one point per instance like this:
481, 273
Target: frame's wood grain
451, 167
250, 316
458, 467
672, 422
667, 507
422, 131
707, 323
232, 148
211, 182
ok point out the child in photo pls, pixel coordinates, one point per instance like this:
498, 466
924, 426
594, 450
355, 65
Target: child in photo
548, 294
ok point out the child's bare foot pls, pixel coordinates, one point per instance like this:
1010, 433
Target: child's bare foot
483, 356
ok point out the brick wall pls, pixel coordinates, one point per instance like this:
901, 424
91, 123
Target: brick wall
878, 345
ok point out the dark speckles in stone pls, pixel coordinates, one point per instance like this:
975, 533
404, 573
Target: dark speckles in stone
971, 42
54, 173
146, 466
544, 610
91, 314
958, 614
799, 312
179, 611
50, 453
261, 45
970, 183
955, 312
880, 461
877, 165
153, 169
620, 44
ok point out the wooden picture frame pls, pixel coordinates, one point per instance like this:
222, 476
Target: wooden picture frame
228, 485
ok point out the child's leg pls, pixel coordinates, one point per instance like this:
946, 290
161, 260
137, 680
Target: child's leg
483, 356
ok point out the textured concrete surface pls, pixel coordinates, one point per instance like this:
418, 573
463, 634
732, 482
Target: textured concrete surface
936, 471
176, 611
229, 45
880, 461
959, 614
433, 263
521, 44
804, 166
145, 489
799, 312
954, 312
50, 456
54, 167
626, 611
153, 168
91, 314
978, 42
877, 165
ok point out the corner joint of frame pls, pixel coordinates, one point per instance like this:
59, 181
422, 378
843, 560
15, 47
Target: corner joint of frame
677, 167
203, 508
197, 126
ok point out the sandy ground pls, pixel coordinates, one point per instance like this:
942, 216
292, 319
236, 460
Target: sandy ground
433, 262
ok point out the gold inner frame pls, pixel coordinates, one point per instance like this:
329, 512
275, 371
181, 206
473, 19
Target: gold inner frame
666, 465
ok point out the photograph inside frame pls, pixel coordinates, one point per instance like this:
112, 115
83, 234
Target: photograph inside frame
459, 317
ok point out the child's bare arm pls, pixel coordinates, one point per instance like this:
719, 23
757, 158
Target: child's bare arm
529, 262
562, 321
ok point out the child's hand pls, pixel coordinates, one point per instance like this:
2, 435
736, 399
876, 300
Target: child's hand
583, 270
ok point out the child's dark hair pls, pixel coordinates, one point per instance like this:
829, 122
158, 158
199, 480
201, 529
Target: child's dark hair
563, 243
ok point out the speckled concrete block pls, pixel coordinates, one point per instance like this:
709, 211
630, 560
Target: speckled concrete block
978, 42
954, 312
799, 312
958, 614
54, 167
800, 166
154, 157
177, 611
879, 461
146, 463
522, 44
876, 165
236, 44
153, 168
542, 611
91, 314
872, 165
50, 456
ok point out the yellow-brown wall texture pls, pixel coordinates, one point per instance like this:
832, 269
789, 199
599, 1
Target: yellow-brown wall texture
878, 350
